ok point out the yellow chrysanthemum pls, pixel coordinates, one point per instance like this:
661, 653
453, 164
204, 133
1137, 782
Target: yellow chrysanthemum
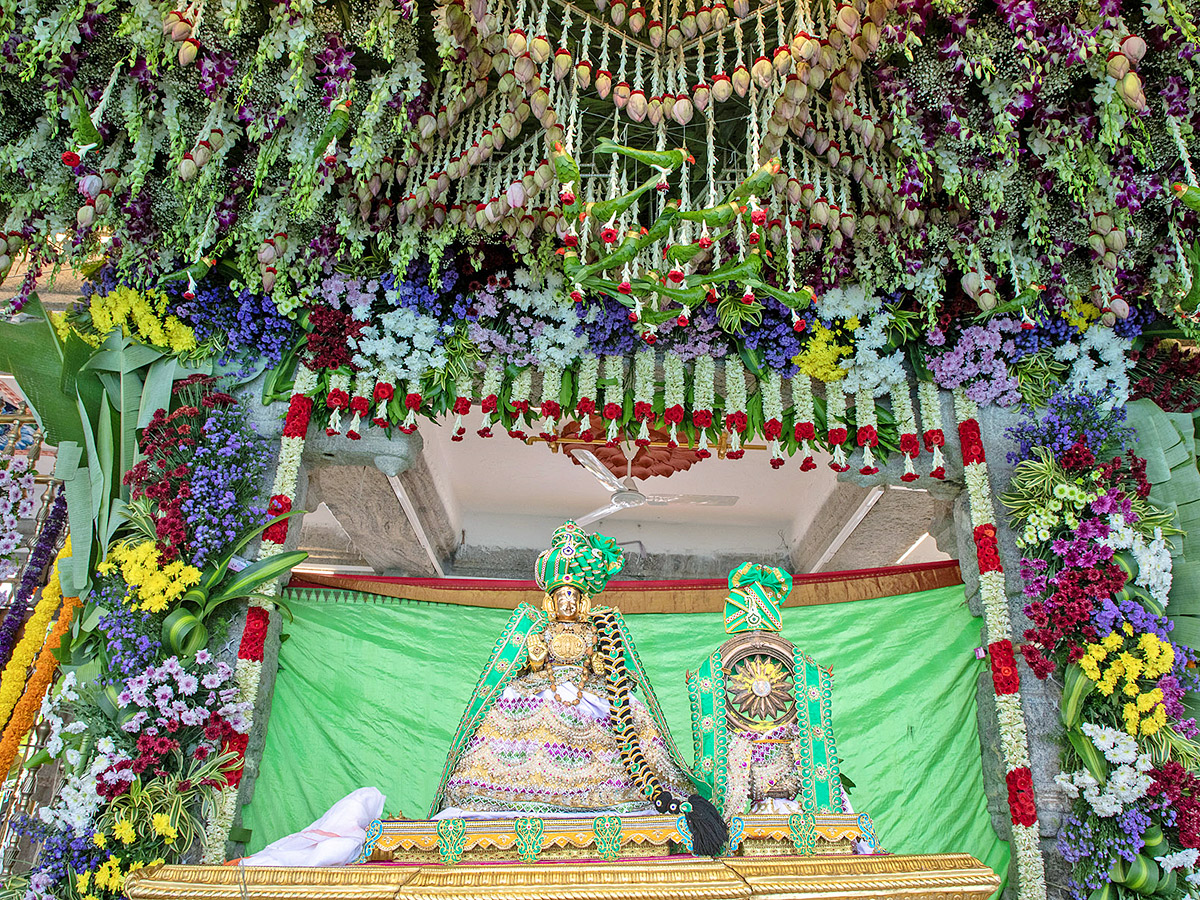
820, 356
163, 827
124, 832
1128, 629
1131, 718
154, 586
1096, 651
1113, 641
99, 839
82, 881
1090, 668
1149, 699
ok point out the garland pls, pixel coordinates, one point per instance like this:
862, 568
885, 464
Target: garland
12, 683
248, 669
25, 715
39, 558
906, 422
866, 434
1014, 739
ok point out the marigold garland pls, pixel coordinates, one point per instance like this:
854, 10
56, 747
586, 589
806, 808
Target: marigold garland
25, 715
12, 682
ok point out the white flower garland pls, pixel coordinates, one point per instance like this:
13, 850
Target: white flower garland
493, 380
931, 419
906, 424
864, 408
364, 387
552, 375
735, 401
614, 391
772, 403
338, 381
703, 394
806, 416
835, 416
644, 364
519, 396
589, 374
1014, 738
674, 390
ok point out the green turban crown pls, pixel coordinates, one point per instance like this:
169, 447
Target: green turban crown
756, 595
575, 557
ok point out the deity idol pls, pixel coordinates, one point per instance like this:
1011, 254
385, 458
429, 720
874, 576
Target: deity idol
554, 727
761, 713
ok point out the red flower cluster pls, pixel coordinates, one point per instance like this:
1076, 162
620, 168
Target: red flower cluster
462, 406
488, 403
838, 435
360, 405
612, 410
1064, 617
329, 338
551, 409
737, 421
337, 399
674, 414
910, 445
1005, 677
111, 790
237, 743
934, 438
773, 431
1178, 789
1078, 458
586, 406
384, 392
972, 443
808, 464
152, 749
277, 532
254, 635
866, 434
702, 418
643, 411
1167, 378
298, 415
412, 401
806, 431
1020, 797
986, 548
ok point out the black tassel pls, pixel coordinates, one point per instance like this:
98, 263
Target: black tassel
709, 833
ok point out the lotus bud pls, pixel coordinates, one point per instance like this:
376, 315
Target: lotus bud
85, 215
103, 202
549, 221
603, 83
704, 19
687, 25
456, 215
1102, 222
616, 12
635, 105
674, 37
657, 107
268, 279
562, 228
722, 87
169, 21
637, 19
5, 264
529, 183
741, 80
777, 125
187, 168
90, 185
543, 175
819, 213
816, 78
816, 237
181, 30
562, 63
1130, 89
806, 47
1134, 48
187, 51
761, 71
682, 109
1116, 239
1118, 65
522, 111
266, 253
971, 283
621, 94
14, 244
720, 15
421, 198
1119, 307
539, 49
820, 142
516, 42
202, 153
539, 102
871, 37
701, 94
848, 20
781, 60
741, 8
515, 195
524, 68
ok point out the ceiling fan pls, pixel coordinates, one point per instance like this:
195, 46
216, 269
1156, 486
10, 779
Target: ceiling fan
625, 495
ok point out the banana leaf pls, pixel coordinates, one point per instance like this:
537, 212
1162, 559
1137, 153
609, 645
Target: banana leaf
1076, 689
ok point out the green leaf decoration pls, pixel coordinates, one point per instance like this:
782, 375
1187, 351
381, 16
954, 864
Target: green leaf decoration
183, 632
1092, 758
245, 581
1077, 687
1142, 875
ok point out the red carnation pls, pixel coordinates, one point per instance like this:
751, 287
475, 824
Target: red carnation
586, 406
838, 436
643, 411
298, 414
674, 414
488, 404
773, 430
337, 399
1004, 667
70, 159
910, 445
702, 418
986, 548
1020, 797
384, 392
254, 635
462, 406
934, 438
805, 431
277, 533
360, 405
551, 409
866, 434
808, 464
612, 410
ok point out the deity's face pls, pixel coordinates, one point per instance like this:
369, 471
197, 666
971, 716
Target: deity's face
566, 602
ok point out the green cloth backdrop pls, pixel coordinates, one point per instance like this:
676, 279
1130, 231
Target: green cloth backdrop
371, 689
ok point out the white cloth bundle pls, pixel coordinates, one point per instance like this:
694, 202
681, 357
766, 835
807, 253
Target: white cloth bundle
335, 839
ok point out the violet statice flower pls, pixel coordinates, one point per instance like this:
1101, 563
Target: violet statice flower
130, 644
775, 338
227, 466
40, 557
1111, 615
249, 325
976, 363
61, 852
607, 329
1070, 416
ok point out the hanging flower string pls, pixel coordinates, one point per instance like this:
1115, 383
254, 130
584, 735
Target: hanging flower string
589, 376
462, 405
1014, 738
806, 428
674, 395
248, 669
644, 364
906, 423
931, 417
835, 417
867, 431
704, 391
522, 386
493, 380
337, 400
736, 419
360, 403
772, 398
35, 565
382, 395
614, 395
549, 408
412, 406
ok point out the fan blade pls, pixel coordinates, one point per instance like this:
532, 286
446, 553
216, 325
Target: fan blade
693, 499
597, 514
588, 460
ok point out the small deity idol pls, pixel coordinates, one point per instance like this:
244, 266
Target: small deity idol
554, 728
761, 710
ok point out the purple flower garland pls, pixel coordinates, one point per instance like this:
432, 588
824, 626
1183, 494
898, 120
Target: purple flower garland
39, 558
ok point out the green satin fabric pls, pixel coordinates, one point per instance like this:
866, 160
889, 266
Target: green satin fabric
370, 693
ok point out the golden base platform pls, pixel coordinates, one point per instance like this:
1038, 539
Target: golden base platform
825, 877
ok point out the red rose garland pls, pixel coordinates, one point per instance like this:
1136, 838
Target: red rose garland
1005, 677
